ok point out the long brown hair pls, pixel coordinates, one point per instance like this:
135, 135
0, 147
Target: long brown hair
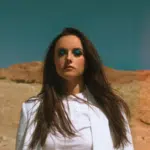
51, 114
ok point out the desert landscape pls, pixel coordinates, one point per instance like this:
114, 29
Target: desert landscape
21, 81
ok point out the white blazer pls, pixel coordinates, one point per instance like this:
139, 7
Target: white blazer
101, 136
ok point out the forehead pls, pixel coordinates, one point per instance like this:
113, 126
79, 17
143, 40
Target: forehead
69, 42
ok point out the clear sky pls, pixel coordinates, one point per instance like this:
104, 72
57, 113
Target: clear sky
120, 29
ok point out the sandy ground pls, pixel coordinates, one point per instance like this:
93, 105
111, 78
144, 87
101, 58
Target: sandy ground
11, 97
13, 94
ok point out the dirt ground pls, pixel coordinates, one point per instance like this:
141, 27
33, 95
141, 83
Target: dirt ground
13, 94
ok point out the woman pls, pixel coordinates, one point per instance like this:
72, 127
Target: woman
76, 108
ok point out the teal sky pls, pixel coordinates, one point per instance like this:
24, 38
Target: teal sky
120, 29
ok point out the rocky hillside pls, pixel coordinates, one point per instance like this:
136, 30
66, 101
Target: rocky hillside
21, 81
31, 72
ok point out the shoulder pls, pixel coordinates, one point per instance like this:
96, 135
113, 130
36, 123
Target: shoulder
31, 104
32, 99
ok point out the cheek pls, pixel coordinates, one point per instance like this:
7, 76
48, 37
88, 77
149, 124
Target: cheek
59, 63
81, 63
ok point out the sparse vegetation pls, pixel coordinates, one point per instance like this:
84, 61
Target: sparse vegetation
2, 78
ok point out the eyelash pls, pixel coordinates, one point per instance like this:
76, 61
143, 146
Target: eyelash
62, 52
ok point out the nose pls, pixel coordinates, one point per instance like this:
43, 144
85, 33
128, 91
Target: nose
69, 56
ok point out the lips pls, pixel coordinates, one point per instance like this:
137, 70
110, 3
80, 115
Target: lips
69, 67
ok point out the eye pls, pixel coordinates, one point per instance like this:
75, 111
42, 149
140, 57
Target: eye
62, 52
77, 52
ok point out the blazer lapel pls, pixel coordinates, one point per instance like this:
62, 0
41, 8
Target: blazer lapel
100, 130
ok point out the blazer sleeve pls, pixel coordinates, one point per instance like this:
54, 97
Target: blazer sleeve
128, 146
21, 128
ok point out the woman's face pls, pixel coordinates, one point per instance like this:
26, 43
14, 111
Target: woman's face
69, 57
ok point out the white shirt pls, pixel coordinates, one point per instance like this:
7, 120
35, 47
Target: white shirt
98, 139
79, 116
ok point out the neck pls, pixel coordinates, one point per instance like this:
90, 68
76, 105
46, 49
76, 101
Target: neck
74, 87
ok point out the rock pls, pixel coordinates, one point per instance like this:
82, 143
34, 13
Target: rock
31, 72
23, 73
132, 86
